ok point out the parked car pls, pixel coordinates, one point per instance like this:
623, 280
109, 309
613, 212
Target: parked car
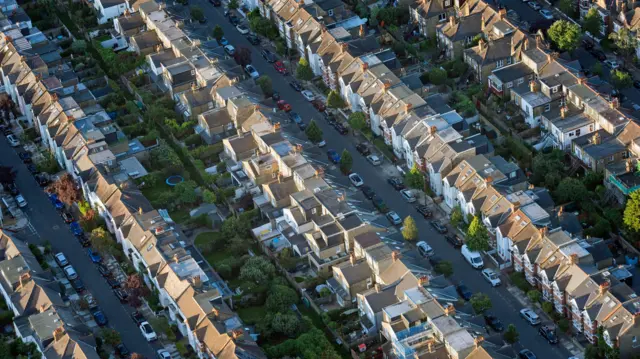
374, 160
319, 105
491, 276
367, 191
275, 96
121, 294
424, 211
21, 201
113, 283
587, 44
122, 351
66, 217
379, 204
546, 14
396, 183
78, 285
464, 292
534, 5
598, 54
341, 128
454, 240
549, 333
163, 354
253, 39
229, 49
148, 332
269, 56
94, 255
12, 188
530, 316
215, 3
425, 249
322, 143
70, 273
283, 105
13, 141
394, 218
296, 85
42, 180
75, 228
439, 227
526, 354
407, 195
293, 116
61, 260
493, 322
242, 29
333, 156
251, 71
356, 180
32, 169
636, 84
329, 118
279, 66
25, 157
472, 257
234, 20
104, 270
223, 41
99, 317
137, 317
91, 301
363, 149
308, 95
84, 241
612, 64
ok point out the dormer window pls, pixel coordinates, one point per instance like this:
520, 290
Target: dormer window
330, 12
447, 3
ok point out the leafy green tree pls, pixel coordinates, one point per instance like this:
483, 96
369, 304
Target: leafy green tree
312, 344
346, 161
265, 85
197, 13
567, 7
480, 302
511, 335
625, 41
101, 241
79, 46
534, 295
217, 32
110, 336
254, 14
477, 235
597, 69
236, 226
565, 35
313, 132
445, 268
592, 22
414, 178
409, 229
334, 100
621, 79
208, 196
257, 269
631, 217
456, 217
185, 192
303, 71
357, 121
281, 298
233, 4
547, 307
286, 323
571, 189
438, 76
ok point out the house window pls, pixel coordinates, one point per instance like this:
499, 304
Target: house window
509, 85
547, 107
447, 3
314, 210
442, 17
554, 89
519, 81
330, 12
508, 61
611, 159
500, 63
578, 132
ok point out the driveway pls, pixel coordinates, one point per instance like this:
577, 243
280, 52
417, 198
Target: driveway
505, 305
50, 227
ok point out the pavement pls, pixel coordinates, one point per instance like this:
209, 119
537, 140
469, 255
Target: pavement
505, 305
49, 226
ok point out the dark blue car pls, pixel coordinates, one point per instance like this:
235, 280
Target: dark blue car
94, 255
464, 292
100, 318
76, 229
333, 156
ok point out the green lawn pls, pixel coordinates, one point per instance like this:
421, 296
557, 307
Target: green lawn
379, 143
252, 315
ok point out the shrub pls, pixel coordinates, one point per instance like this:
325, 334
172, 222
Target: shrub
518, 279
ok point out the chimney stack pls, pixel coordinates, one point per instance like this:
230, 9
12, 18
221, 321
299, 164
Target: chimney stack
361, 31
629, 166
615, 103
344, 47
352, 259
563, 111
25, 278
423, 280
502, 13
604, 287
560, 211
478, 340
543, 231
215, 312
574, 258
452, 20
378, 287
482, 21
488, 180
395, 255
482, 44
533, 86
450, 310
197, 281
58, 333
276, 127
42, 308
433, 130
387, 85
176, 259
597, 138
237, 334
365, 66
408, 107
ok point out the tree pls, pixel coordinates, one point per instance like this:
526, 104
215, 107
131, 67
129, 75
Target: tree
357, 121
7, 175
208, 196
197, 13
101, 241
265, 85
511, 335
565, 35
592, 22
334, 100
625, 41
79, 46
437, 76
480, 302
137, 289
621, 80
242, 56
313, 132
456, 217
281, 298
477, 236
110, 336
631, 217
285, 323
534, 295
236, 226
303, 71
409, 229
233, 4
217, 32
571, 189
414, 178
346, 161
445, 268
185, 192
312, 344
257, 269
65, 188
597, 69
567, 7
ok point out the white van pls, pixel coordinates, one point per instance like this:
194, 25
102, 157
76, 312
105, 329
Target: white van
472, 257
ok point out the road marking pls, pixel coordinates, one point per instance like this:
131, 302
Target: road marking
55, 227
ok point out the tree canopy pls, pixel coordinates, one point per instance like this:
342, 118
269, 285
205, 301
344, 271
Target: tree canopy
334, 100
480, 302
357, 121
233, 4
242, 56
346, 161
265, 85
477, 235
571, 189
445, 268
414, 178
303, 71
621, 79
565, 35
257, 269
437, 76
65, 188
313, 132
625, 41
511, 334
197, 13
631, 217
409, 229
281, 298
185, 192
592, 22
217, 32
456, 217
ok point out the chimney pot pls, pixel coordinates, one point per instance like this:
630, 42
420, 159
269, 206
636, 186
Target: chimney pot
449, 310
365, 66
58, 333
503, 13
574, 258
533, 86
604, 287
479, 339
452, 20
352, 259
378, 287
25, 278
395, 255
423, 280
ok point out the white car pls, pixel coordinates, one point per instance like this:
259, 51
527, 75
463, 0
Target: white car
164, 354
322, 143
491, 276
407, 195
308, 95
229, 49
70, 272
374, 160
242, 29
148, 332
530, 316
13, 141
21, 201
612, 64
534, 5
356, 180
61, 260
546, 14
394, 218
425, 249
252, 71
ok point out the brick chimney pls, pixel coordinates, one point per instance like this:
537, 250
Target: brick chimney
176, 258
58, 333
395, 255
352, 259
574, 258
276, 127
237, 334
423, 280
197, 281
43, 308
615, 103
25, 278
629, 166
387, 85
452, 20
344, 47
408, 107
533, 86
604, 287
482, 44
560, 211
482, 21
361, 31
365, 66
378, 287
596, 139
478, 340
543, 231
563, 111
488, 180
502, 13
450, 310
433, 130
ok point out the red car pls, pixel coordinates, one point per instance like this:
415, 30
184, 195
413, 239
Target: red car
279, 66
318, 104
282, 105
